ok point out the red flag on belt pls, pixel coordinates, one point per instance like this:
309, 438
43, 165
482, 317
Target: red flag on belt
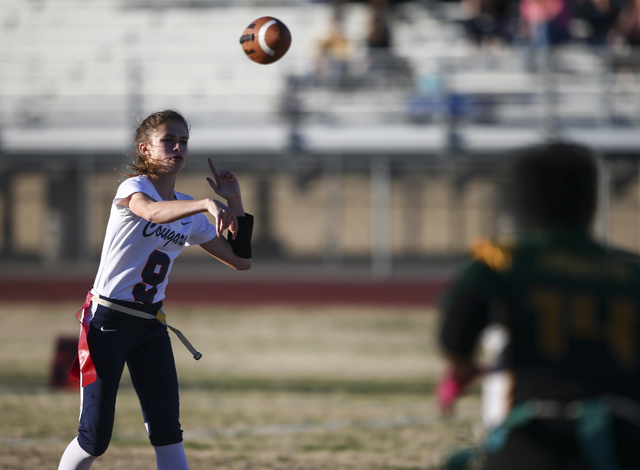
83, 371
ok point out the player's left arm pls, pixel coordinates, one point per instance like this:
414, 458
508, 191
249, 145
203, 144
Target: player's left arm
465, 313
222, 249
235, 251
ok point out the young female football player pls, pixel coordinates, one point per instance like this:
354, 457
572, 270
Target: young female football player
149, 225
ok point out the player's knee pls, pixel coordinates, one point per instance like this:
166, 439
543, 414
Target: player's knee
165, 438
165, 429
94, 446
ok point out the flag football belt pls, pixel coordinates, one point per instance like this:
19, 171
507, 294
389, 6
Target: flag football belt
160, 316
617, 406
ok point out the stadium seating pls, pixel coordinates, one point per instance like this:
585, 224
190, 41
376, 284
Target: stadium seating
73, 64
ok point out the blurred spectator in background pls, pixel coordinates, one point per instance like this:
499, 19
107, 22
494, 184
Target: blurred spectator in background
545, 23
599, 17
378, 40
489, 23
379, 32
334, 52
626, 28
384, 67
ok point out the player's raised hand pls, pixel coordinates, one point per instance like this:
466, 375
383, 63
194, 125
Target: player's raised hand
225, 184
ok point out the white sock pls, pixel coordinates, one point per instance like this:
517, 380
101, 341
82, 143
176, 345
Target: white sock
171, 457
75, 458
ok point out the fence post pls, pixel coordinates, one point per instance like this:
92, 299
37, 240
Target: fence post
381, 218
333, 226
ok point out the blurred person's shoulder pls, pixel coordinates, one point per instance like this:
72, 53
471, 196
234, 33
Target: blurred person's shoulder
496, 254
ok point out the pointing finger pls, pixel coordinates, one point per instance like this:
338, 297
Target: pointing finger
216, 175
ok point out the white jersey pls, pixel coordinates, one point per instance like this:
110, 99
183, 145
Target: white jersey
137, 255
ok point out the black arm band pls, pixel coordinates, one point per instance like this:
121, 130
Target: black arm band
241, 246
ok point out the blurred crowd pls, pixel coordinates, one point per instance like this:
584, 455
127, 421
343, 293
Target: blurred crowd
486, 24
543, 23
335, 49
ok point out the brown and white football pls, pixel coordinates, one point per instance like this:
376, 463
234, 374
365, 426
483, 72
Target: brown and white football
266, 40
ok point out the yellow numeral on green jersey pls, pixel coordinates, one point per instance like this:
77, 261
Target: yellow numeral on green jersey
562, 316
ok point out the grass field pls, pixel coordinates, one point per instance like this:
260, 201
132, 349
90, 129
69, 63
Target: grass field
294, 388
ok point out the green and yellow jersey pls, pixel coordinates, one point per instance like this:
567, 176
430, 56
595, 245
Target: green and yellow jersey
571, 308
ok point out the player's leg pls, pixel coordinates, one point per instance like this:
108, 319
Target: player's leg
153, 373
171, 457
75, 457
108, 352
98, 399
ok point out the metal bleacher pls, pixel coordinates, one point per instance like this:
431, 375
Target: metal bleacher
73, 66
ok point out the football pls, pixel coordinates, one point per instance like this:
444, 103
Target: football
266, 40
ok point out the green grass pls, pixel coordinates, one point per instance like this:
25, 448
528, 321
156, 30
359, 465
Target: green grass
309, 388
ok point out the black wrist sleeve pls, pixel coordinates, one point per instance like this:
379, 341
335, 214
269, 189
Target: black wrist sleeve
241, 246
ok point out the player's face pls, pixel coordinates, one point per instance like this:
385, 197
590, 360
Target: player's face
168, 147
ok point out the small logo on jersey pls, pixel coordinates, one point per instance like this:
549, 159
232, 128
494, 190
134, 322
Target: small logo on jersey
171, 236
185, 223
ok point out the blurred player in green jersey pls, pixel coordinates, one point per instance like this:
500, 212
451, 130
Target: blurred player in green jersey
570, 308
